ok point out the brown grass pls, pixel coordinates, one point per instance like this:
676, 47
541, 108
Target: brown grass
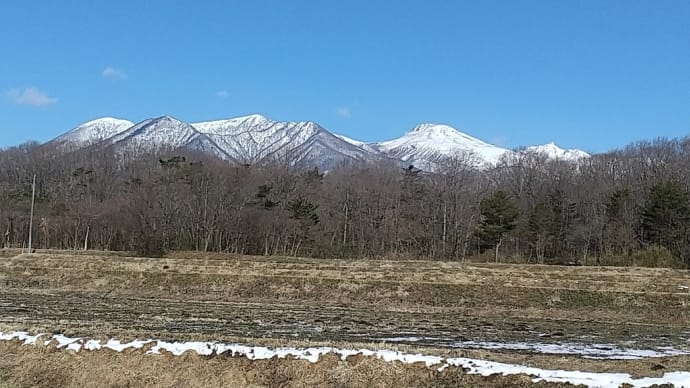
269, 300
38, 366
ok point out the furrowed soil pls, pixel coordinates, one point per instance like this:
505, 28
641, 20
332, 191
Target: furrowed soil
414, 306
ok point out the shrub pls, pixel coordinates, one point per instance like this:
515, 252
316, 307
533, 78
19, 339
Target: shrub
656, 257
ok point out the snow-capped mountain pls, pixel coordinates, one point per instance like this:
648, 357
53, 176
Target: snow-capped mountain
93, 132
256, 139
248, 140
152, 134
370, 147
553, 151
426, 144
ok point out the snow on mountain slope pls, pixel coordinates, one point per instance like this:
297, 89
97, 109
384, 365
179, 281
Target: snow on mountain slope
93, 132
556, 152
350, 140
330, 150
255, 138
426, 144
152, 134
370, 147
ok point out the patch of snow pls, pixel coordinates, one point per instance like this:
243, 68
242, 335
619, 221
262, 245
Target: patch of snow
27, 338
472, 366
65, 342
95, 345
402, 339
117, 346
590, 379
179, 348
591, 351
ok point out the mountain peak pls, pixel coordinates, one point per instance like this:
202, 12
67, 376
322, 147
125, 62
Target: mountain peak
554, 151
442, 132
255, 138
167, 118
106, 119
309, 125
253, 118
93, 131
156, 133
440, 129
426, 144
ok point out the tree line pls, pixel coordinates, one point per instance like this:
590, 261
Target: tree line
626, 207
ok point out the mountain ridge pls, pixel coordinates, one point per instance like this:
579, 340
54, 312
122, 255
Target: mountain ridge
256, 138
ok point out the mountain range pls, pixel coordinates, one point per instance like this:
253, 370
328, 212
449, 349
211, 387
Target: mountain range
256, 139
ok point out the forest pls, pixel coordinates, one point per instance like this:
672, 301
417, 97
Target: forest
625, 207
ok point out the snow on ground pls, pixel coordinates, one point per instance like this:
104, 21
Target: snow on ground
591, 351
472, 366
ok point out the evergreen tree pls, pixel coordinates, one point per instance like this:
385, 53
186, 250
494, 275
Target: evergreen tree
304, 211
265, 198
620, 219
616, 204
665, 218
498, 216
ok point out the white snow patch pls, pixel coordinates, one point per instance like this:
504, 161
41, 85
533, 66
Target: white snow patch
472, 366
65, 342
21, 336
592, 351
590, 379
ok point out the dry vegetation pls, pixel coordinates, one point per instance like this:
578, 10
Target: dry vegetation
43, 367
297, 301
626, 208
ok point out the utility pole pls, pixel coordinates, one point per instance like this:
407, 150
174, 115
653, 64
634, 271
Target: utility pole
31, 219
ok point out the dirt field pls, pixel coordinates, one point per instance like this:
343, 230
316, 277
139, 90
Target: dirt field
410, 305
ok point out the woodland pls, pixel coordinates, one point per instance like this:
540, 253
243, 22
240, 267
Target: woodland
625, 207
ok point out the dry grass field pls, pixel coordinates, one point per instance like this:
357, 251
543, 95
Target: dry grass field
415, 306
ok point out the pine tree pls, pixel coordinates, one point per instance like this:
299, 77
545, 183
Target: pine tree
498, 217
265, 198
304, 211
620, 221
665, 218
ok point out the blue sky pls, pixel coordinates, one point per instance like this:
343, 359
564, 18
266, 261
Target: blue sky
588, 74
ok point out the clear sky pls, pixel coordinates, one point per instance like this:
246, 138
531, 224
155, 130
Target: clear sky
588, 74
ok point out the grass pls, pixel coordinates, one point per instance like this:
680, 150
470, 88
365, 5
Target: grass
287, 300
39, 366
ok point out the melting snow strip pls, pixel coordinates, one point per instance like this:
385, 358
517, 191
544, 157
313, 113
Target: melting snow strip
472, 366
591, 351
